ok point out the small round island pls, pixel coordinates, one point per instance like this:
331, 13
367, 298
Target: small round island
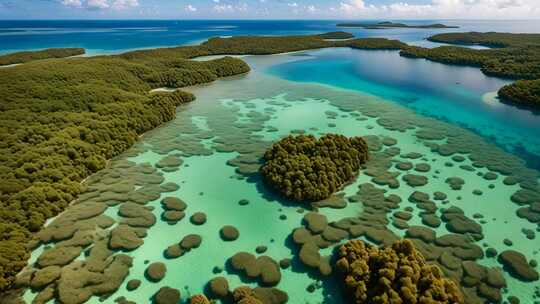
303, 168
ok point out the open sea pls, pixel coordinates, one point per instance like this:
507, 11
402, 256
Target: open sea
103, 36
448, 116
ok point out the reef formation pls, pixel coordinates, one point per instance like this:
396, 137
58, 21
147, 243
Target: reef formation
304, 168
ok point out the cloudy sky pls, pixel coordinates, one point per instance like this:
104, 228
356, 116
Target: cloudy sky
270, 9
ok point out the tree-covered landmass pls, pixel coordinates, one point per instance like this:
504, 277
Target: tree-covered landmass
516, 56
387, 25
23, 57
336, 35
523, 92
513, 63
304, 168
267, 45
62, 119
373, 44
490, 39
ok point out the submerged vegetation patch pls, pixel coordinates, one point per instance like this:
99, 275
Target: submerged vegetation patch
304, 168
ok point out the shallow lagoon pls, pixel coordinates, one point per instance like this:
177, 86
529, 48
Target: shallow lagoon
241, 116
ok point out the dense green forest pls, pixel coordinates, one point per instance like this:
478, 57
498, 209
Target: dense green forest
22, 57
525, 92
490, 39
515, 56
336, 35
61, 119
306, 169
254, 45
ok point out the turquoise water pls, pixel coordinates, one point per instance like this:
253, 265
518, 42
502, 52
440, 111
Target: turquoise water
462, 96
225, 131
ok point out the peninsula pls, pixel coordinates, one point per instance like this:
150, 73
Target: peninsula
27, 56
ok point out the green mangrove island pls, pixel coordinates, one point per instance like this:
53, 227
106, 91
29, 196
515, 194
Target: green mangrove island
304, 168
390, 25
64, 119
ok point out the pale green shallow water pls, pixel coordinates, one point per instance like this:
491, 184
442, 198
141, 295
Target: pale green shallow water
208, 184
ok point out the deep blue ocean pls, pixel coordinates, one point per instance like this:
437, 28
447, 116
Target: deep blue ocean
460, 95
106, 36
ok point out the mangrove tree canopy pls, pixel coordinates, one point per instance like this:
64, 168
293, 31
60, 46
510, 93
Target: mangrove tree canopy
393, 274
304, 168
22, 57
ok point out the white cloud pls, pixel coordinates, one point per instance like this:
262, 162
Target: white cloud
230, 8
102, 4
97, 4
466, 9
124, 4
353, 6
73, 3
405, 9
242, 7
190, 8
224, 8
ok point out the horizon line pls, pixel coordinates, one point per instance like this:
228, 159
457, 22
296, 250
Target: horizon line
262, 20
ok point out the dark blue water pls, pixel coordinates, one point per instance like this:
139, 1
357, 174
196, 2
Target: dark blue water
102, 36
453, 94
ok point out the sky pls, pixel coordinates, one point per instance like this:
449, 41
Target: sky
269, 9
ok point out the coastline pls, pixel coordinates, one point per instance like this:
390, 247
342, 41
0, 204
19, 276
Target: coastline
157, 90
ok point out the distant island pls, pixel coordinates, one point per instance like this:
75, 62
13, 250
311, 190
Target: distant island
388, 25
